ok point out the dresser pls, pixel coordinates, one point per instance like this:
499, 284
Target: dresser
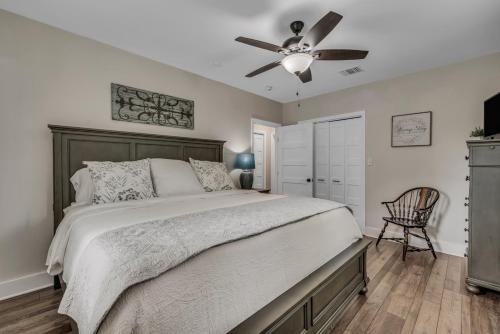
483, 253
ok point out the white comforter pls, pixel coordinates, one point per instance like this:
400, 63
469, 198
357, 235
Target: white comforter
159, 311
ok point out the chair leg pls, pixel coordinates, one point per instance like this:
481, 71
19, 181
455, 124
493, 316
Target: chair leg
381, 234
405, 245
429, 243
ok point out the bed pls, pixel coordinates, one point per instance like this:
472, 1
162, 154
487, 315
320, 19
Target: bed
296, 277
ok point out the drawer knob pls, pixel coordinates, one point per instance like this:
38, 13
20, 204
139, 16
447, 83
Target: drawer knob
466, 204
466, 198
467, 178
465, 255
466, 157
466, 229
466, 241
466, 219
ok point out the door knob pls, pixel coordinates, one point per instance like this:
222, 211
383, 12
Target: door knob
308, 180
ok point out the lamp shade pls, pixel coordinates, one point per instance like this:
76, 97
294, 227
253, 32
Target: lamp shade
245, 161
297, 62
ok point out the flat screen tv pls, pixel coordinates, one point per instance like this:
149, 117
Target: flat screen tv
492, 116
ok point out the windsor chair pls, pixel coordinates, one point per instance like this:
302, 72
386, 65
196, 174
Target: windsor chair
411, 210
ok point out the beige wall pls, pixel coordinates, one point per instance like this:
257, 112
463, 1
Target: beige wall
269, 131
455, 95
51, 76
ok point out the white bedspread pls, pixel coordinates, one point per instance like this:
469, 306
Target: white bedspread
148, 312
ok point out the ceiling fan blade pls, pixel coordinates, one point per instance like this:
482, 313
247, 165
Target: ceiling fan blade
320, 29
259, 44
306, 76
339, 54
263, 69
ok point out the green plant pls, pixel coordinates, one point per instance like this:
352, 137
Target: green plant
477, 132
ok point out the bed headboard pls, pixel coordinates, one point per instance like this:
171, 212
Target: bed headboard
73, 145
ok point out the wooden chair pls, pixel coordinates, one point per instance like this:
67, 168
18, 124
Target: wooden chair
411, 209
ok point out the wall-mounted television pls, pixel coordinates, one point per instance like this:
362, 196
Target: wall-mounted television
492, 116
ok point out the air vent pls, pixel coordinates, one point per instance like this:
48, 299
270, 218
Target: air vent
351, 71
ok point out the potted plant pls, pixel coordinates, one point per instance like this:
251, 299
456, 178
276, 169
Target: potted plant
477, 133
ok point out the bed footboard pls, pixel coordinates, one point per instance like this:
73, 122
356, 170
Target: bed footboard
315, 304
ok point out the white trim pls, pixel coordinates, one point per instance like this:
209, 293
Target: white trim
446, 247
336, 117
25, 284
259, 132
263, 122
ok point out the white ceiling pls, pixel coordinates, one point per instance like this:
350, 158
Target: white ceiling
198, 35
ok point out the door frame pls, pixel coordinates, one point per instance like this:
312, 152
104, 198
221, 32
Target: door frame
264, 174
345, 116
253, 121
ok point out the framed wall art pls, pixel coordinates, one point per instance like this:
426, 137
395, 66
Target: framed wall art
141, 106
412, 129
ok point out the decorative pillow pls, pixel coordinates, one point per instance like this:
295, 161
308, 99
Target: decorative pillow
213, 176
174, 177
120, 181
83, 185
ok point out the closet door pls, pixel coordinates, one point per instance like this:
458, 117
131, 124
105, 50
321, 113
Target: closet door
337, 161
347, 165
322, 160
354, 168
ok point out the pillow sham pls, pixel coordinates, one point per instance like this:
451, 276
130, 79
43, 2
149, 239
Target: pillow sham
120, 181
174, 177
84, 188
213, 176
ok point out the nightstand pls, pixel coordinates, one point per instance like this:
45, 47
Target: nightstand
264, 191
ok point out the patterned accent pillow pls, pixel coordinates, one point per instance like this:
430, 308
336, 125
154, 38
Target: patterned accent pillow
120, 181
213, 176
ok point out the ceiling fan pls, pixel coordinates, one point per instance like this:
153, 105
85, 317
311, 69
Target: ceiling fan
299, 50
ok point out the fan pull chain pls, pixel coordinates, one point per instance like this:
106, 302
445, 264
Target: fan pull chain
298, 97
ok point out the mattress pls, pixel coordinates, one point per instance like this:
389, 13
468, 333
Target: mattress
217, 289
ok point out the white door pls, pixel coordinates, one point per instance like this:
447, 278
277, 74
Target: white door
347, 165
322, 160
259, 154
295, 159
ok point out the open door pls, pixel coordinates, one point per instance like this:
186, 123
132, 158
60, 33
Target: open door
294, 148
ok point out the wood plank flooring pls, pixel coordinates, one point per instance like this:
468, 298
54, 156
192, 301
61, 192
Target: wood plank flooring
421, 295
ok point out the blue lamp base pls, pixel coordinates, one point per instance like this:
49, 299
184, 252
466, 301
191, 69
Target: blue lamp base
246, 180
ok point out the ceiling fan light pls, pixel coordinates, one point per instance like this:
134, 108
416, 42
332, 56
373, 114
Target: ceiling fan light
297, 63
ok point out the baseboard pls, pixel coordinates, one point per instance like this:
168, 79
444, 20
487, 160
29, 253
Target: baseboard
25, 284
439, 246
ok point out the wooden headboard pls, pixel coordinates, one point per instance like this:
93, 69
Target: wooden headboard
73, 145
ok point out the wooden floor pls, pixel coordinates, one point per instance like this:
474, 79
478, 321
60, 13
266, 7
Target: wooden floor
421, 295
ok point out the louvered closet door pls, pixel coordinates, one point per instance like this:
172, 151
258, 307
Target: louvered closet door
322, 160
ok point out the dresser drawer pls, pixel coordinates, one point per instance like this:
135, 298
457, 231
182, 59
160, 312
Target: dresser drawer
485, 155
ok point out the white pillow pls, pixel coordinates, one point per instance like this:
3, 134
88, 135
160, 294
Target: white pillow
174, 177
83, 185
120, 181
213, 176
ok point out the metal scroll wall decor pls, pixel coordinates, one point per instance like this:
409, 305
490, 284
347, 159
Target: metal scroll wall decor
141, 106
